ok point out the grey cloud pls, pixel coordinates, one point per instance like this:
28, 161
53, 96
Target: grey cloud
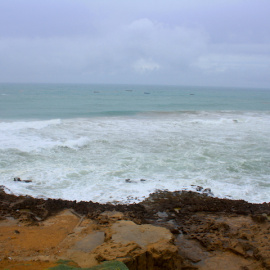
176, 42
140, 46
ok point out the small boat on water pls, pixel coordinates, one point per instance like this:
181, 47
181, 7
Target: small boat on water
146, 93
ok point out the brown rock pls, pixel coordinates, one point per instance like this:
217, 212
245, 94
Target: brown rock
214, 233
144, 235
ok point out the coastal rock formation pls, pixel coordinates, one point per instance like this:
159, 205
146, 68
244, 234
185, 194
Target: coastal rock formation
169, 230
140, 246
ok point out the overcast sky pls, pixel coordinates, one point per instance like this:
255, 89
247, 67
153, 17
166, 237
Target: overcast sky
184, 42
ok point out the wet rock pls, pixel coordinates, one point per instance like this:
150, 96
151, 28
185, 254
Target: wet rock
208, 191
18, 179
199, 188
130, 181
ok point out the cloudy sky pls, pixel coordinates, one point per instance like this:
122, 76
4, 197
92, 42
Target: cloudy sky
184, 42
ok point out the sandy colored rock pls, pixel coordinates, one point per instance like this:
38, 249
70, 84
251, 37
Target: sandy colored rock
169, 230
19, 240
227, 260
143, 235
140, 246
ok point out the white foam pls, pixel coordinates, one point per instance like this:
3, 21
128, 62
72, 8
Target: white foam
22, 125
89, 159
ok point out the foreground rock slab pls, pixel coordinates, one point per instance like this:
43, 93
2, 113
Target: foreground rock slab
169, 230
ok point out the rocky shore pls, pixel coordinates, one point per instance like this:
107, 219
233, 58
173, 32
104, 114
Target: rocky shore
167, 231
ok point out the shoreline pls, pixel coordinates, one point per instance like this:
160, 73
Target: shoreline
198, 232
133, 199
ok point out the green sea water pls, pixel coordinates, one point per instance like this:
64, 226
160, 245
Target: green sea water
82, 141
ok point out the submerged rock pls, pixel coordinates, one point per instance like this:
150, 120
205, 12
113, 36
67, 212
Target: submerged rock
18, 179
130, 181
208, 191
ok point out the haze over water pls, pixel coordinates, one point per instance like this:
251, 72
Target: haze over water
80, 142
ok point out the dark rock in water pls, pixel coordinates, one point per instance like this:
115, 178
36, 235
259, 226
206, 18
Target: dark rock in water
208, 191
129, 181
142, 180
18, 179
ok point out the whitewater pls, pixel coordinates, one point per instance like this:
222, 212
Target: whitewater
81, 142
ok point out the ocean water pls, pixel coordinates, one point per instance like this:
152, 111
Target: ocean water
80, 142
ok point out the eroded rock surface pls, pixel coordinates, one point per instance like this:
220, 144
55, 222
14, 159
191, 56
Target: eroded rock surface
140, 246
169, 230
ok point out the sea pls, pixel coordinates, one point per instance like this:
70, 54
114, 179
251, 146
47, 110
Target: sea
119, 143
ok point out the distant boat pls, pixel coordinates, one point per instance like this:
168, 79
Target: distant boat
129, 90
96, 92
146, 93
